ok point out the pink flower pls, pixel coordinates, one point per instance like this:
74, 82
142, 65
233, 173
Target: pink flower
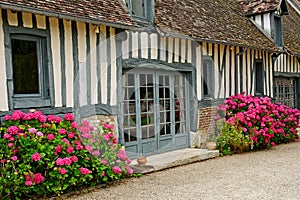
103, 173
116, 170
122, 156
89, 148
59, 161
87, 135
50, 137
69, 117
6, 136
32, 130
245, 130
71, 135
38, 178
14, 158
85, 123
79, 146
109, 126
67, 161
107, 136
62, 131
13, 130
103, 161
28, 177
16, 115
74, 125
129, 170
54, 119
273, 144
36, 157
40, 134
70, 150
62, 171
65, 140
96, 153
10, 144
3, 161
42, 118
7, 117
128, 161
85, 171
74, 158
11, 139
28, 183
58, 148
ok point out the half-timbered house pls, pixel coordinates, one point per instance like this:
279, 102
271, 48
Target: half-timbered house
155, 69
279, 20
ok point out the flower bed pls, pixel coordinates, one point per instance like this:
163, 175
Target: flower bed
45, 155
262, 123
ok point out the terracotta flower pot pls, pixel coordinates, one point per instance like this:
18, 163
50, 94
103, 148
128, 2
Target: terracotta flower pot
141, 160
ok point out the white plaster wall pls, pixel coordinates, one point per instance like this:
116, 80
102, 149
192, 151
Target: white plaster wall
81, 28
69, 64
3, 86
12, 18
56, 56
113, 97
41, 22
27, 20
267, 23
94, 78
103, 67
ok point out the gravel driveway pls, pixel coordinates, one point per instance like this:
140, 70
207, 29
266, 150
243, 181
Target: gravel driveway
270, 174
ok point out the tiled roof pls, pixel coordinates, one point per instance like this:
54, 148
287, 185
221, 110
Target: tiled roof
211, 20
107, 11
291, 31
252, 7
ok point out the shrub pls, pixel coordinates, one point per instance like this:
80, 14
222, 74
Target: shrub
232, 140
265, 123
45, 155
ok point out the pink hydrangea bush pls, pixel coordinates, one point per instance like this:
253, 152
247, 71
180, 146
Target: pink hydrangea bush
266, 123
44, 155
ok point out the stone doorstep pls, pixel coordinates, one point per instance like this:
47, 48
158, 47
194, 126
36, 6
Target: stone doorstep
173, 159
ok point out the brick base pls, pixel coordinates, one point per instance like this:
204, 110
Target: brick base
100, 120
207, 123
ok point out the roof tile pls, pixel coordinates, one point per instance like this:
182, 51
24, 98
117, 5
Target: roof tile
213, 20
109, 11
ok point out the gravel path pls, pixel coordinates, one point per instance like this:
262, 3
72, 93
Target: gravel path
271, 174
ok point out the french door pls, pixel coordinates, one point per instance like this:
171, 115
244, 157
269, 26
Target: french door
154, 112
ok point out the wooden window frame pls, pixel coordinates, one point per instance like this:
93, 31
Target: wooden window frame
259, 77
208, 78
278, 31
148, 10
41, 99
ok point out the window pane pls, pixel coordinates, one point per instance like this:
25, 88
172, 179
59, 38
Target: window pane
138, 8
25, 67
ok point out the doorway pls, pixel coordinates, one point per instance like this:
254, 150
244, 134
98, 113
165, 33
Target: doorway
154, 111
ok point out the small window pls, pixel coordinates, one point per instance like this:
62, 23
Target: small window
141, 9
278, 36
259, 78
207, 77
30, 71
25, 67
